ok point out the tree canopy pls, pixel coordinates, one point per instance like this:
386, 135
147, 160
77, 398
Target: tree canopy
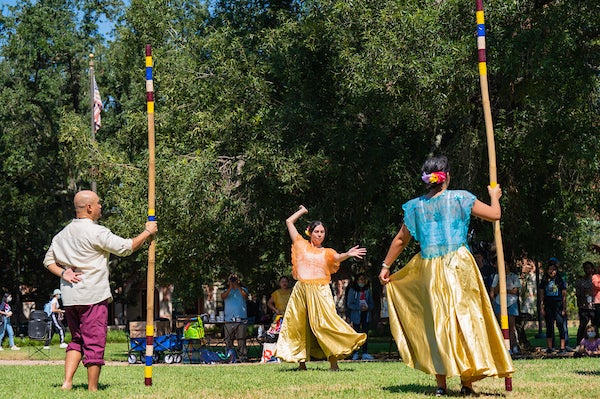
265, 105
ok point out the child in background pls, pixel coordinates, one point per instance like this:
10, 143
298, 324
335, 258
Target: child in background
590, 344
5, 326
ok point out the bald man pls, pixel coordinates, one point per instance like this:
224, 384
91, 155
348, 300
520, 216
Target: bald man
79, 255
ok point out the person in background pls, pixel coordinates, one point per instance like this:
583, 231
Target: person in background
79, 254
590, 343
339, 289
279, 298
527, 300
439, 307
513, 284
553, 292
565, 278
484, 255
596, 296
584, 292
56, 317
236, 313
312, 327
277, 304
360, 306
6, 327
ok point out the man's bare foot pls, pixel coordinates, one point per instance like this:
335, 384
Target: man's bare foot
302, 366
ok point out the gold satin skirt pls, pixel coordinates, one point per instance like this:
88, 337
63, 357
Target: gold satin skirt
442, 319
313, 329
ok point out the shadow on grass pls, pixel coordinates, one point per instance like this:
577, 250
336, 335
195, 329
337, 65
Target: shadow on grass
82, 387
318, 369
430, 390
588, 372
414, 388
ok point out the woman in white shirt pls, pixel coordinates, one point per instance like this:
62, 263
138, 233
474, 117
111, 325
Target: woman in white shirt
513, 285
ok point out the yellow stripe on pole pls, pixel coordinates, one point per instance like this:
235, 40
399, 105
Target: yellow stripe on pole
151, 107
480, 18
504, 322
148, 61
148, 372
482, 69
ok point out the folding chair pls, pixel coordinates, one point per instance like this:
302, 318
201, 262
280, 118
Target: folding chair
38, 329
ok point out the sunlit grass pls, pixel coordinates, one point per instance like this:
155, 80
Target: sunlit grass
534, 378
547, 378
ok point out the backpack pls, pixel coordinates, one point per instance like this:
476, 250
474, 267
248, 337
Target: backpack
210, 357
194, 329
48, 308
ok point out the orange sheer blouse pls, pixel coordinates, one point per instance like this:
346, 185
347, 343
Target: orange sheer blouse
311, 264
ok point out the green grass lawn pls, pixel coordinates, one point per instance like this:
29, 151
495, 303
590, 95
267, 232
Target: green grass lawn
389, 378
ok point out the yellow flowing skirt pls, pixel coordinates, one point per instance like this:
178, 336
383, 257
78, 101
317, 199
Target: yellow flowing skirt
312, 328
442, 319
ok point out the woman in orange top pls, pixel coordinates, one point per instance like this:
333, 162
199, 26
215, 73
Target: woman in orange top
312, 327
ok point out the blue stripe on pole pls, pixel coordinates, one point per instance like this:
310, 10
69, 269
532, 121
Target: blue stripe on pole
480, 30
148, 73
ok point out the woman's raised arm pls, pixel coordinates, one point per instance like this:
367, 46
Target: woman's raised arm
290, 222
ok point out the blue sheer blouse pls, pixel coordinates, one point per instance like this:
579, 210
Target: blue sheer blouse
440, 224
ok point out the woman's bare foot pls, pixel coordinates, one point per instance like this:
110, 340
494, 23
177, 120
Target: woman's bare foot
333, 365
66, 386
466, 388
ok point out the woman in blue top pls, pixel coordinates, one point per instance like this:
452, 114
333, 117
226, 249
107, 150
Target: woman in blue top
359, 301
439, 310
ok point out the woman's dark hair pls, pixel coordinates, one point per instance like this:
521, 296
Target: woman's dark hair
355, 282
314, 224
437, 163
553, 262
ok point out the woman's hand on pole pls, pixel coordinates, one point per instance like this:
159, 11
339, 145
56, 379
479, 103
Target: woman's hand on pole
495, 192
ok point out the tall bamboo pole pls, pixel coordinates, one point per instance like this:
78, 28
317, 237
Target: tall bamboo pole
489, 130
93, 123
151, 217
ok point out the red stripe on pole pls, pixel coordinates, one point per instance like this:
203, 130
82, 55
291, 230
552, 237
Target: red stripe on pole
481, 55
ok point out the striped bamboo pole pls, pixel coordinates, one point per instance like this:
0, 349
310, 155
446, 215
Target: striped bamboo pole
489, 129
94, 186
151, 217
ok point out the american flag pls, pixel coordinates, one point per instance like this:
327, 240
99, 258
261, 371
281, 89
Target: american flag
97, 107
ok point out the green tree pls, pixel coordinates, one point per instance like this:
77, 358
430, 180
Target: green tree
262, 106
43, 73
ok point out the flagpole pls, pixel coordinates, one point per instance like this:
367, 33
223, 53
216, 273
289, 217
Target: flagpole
151, 217
489, 129
93, 124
